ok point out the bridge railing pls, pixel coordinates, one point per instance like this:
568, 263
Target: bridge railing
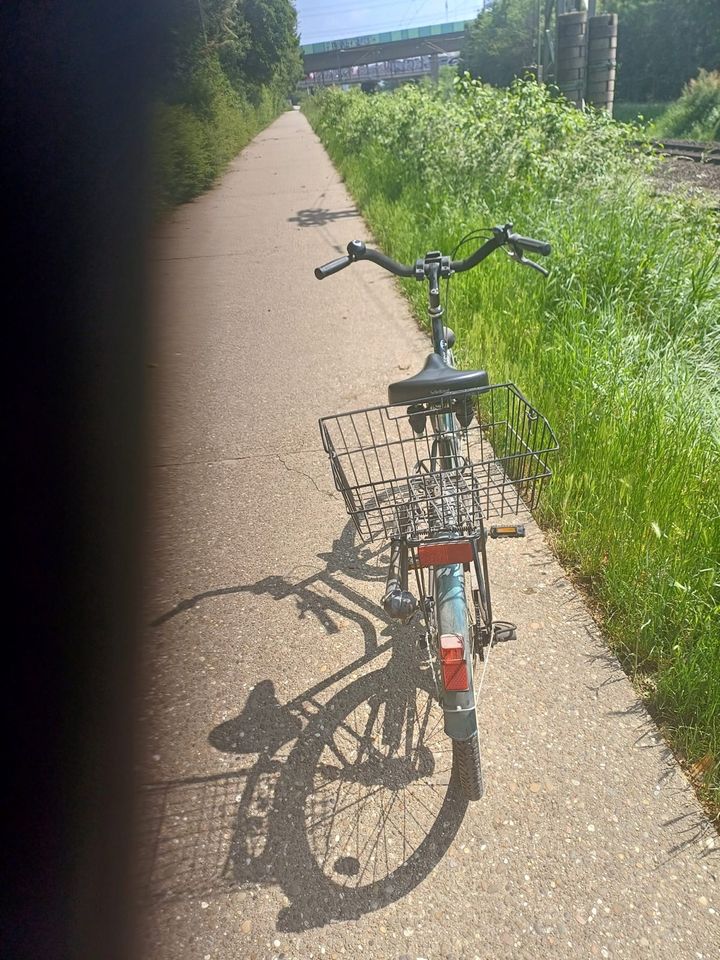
384, 70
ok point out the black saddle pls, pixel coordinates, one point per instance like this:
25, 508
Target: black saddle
435, 377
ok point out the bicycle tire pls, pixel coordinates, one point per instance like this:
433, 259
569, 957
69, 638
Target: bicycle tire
466, 763
467, 768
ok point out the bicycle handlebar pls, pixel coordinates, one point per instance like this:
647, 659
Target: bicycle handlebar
527, 243
459, 266
358, 251
335, 266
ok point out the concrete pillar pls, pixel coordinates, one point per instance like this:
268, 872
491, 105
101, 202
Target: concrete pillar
602, 61
571, 56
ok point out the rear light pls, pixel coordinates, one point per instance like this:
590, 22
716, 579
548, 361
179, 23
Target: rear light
452, 659
441, 554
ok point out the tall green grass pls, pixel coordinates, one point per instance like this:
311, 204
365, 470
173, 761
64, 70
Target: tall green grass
620, 348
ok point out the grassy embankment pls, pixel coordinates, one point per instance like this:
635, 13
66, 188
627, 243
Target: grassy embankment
620, 348
695, 115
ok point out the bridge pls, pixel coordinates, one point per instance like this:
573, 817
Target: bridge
407, 69
343, 56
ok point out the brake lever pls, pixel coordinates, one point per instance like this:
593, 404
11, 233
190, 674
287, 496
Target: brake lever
516, 255
535, 266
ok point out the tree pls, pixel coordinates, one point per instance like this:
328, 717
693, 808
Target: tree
662, 44
255, 42
502, 40
273, 40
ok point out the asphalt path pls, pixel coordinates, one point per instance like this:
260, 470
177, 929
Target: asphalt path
264, 831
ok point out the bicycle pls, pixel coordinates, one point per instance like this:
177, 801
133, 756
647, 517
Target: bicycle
449, 452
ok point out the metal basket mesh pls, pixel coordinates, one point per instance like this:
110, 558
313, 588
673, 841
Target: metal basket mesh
417, 471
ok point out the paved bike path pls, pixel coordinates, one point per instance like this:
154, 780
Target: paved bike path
295, 800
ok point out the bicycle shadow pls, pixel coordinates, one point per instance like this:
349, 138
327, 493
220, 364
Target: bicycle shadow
365, 563
345, 803
320, 217
360, 810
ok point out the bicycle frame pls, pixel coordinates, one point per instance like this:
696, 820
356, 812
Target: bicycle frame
447, 582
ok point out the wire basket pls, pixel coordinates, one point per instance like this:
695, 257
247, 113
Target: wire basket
437, 467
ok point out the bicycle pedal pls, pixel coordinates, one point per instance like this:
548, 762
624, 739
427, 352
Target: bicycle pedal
503, 631
511, 530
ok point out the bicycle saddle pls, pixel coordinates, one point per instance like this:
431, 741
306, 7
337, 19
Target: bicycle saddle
435, 377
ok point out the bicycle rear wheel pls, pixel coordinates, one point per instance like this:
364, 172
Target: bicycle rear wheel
452, 589
466, 761
467, 768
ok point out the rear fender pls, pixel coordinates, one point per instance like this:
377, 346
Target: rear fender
452, 618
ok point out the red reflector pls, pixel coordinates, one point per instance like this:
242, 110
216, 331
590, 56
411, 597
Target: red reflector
441, 554
455, 676
454, 667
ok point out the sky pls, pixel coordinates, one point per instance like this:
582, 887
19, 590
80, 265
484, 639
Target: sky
335, 19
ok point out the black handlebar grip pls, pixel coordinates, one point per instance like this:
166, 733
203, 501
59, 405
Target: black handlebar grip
527, 243
328, 269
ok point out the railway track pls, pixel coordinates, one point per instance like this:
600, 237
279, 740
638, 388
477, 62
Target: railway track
685, 150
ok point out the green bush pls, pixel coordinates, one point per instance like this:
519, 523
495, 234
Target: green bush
197, 136
620, 348
696, 115
183, 157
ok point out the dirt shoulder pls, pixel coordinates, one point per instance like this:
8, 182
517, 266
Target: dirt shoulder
675, 175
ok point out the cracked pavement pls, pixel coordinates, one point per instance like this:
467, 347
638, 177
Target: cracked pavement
295, 796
